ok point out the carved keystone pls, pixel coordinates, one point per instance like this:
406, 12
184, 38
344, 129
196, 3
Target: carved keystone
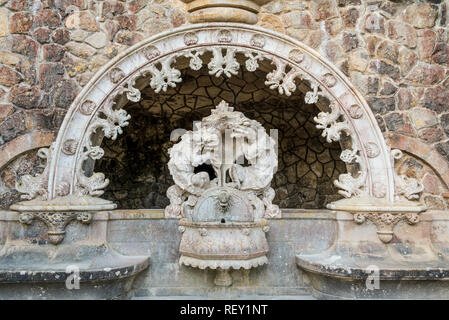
244, 11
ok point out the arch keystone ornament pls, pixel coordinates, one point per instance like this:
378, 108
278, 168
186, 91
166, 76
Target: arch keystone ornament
222, 47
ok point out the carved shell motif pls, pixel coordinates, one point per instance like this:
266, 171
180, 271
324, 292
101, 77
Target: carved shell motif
372, 150
379, 190
151, 52
224, 36
258, 41
116, 75
296, 56
63, 189
190, 38
329, 80
355, 111
87, 107
69, 146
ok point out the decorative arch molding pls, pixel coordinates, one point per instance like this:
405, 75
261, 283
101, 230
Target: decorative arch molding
422, 151
93, 115
24, 143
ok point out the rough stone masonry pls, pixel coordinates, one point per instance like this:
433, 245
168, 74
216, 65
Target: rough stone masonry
395, 52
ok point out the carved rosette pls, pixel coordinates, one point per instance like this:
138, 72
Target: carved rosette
386, 221
56, 222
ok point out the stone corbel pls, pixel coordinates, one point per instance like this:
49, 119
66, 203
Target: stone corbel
57, 213
384, 215
385, 222
56, 222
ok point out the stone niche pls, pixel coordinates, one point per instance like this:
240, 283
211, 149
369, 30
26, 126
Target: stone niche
136, 163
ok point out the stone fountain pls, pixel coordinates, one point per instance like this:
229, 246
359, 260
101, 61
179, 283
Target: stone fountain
224, 212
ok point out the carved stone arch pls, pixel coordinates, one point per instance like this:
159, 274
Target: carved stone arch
93, 111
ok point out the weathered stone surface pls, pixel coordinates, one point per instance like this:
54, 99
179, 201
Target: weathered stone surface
388, 88
26, 46
28, 70
405, 99
74, 65
367, 85
127, 21
430, 183
5, 111
9, 77
423, 118
64, 92
3, 22
384, 68
13, 126
79, 35
389, 51
97, 40
426, 43
25, 96
9, 59
155, 26
389, 8
421, 15
350, 41
381, 105
53, 52
444, 119
177, 18
402, 33
350, 17
42, 35
64, 6
112, 27
49, 74
44, 119
334, 26
374, 23
113, 8
436, 98
81, 50
17, 5
20, 22
398, 122
323, 9
431, 135
47, 18
434, 202
343, 3
135, 6
407, 60
84, 20
60, 36
128, 38
297, 19
335, 53
426, 74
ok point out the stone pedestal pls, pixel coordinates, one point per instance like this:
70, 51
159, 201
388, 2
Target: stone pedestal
361, 266
84, 266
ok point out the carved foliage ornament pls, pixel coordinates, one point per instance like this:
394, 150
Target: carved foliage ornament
55, 222
385, 222
204, 145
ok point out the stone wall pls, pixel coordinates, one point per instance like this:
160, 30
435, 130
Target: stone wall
394, 52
